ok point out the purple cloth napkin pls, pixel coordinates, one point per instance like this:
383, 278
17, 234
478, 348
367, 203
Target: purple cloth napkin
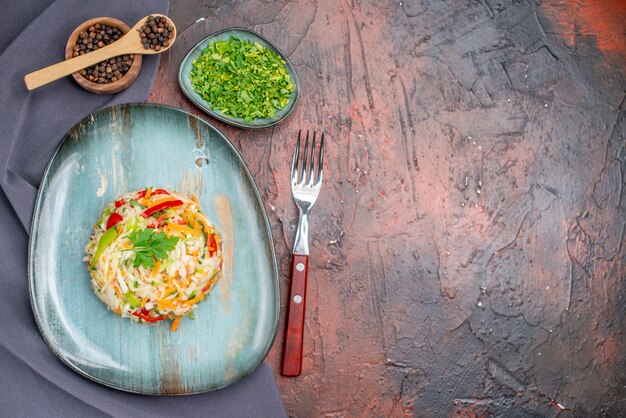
34, 382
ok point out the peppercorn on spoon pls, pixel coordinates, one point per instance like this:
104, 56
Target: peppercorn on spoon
130, 43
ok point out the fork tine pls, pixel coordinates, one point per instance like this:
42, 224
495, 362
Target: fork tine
320, 172
294, 163
304, 158
312, 164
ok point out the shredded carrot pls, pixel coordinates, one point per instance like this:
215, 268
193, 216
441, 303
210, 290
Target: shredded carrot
148, 192
190, 218
175, 323
155, 269
169, 290
195, 199
195, 300
117, 291
144, 301
164, 304
207, 229
182, 229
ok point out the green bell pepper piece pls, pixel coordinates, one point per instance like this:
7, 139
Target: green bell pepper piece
132, 299
106, 239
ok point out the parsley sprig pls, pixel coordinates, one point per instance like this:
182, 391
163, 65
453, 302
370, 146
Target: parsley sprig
150, 246
242, 79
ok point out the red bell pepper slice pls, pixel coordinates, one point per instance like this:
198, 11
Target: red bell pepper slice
113, 220
119, 203
211, 245
142, 194
165, 205
145, 315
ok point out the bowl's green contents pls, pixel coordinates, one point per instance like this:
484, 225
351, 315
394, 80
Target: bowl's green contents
242, 79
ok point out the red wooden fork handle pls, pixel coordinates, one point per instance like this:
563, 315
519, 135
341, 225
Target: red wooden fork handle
292, 354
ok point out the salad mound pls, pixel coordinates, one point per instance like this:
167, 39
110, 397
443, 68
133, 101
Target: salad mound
154, 255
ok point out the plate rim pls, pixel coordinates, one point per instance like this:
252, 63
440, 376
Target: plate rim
33, 232
228, 119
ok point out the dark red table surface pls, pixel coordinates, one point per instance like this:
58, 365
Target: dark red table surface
467, 249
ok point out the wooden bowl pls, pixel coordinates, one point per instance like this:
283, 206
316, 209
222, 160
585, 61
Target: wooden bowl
110, 88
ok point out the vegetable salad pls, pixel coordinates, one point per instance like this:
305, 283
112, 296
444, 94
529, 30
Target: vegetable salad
154, 255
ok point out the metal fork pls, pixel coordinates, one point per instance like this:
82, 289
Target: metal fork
306, 183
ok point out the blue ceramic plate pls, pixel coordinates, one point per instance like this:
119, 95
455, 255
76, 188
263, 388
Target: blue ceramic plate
244, 34
125, 148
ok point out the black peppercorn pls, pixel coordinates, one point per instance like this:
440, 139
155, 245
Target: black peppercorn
95, 37
156, 33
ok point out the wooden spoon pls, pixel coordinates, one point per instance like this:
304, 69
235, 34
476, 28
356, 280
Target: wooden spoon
130, 43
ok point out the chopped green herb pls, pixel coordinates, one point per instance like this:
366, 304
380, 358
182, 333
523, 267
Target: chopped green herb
150, 246
242, 79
